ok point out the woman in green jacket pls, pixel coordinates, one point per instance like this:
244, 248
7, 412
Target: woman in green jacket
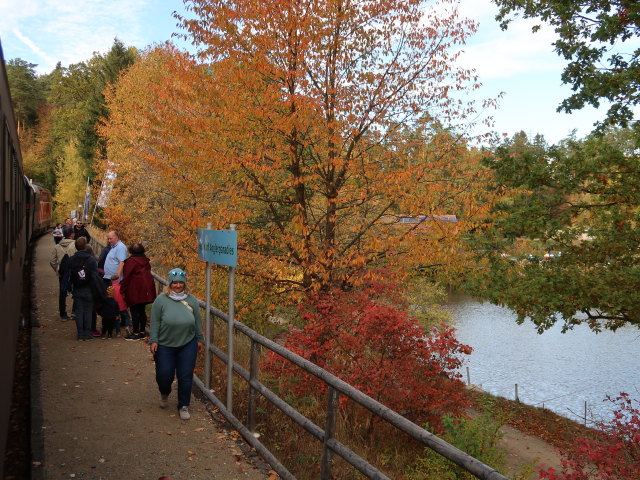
175, 340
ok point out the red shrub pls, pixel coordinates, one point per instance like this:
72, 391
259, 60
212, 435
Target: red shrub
368, 339
612, 453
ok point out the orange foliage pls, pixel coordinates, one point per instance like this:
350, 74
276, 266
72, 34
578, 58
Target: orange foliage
308, 124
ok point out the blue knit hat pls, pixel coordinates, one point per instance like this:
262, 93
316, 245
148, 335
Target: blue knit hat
177, 275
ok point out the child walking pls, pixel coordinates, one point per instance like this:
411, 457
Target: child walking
125, 318
109, 311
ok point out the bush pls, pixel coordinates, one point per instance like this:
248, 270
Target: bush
368, 339
612, 452
477, 436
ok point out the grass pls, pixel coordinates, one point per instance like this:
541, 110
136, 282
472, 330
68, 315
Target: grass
555, 429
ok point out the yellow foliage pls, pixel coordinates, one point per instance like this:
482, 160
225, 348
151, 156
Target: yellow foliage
302, 139
71, 173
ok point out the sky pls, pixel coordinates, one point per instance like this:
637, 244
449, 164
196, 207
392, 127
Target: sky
517, 63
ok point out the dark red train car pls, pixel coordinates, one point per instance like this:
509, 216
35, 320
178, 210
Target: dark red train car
21, 215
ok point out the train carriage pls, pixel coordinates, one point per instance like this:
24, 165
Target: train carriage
39, 210
25, 212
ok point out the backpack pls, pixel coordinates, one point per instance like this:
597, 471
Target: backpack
79, 274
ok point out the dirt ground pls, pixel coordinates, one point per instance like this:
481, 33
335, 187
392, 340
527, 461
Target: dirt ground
97, 414
98, 408
527, 451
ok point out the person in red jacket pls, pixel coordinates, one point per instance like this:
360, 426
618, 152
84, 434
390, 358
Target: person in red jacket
138, 288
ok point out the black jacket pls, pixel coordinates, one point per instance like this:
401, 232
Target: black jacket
108, 308
81, 232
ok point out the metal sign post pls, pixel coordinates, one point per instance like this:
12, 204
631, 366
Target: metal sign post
232, 282
221, 247
209, 333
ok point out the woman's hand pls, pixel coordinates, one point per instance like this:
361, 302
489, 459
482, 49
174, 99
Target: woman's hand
153, 347
200, 347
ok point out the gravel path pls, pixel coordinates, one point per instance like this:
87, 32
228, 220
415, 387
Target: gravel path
96, 414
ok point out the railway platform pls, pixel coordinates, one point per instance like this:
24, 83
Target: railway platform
95, 409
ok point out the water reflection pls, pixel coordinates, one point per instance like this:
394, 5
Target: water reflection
560, 370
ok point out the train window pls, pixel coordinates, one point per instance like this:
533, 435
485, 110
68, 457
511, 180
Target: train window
6, 175
12, 202
19, 197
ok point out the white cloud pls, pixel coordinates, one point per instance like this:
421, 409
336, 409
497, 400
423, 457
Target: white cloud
514, 52
495, 53
38, 51
70, 31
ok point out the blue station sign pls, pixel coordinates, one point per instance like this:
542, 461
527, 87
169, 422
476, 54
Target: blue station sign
218, 246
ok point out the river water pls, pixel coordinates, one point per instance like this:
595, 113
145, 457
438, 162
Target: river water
559, 371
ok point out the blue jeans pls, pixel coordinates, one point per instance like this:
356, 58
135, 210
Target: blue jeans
83, 309
179, 362
125, 320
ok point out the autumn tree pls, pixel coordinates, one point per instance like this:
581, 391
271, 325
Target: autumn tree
158, 170
59, 113
71, 180
299, 116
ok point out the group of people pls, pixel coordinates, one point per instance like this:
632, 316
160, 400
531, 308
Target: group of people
111, 285
79, 230
119, 282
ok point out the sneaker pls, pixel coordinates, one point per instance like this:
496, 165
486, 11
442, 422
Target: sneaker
134, 337
164, 401
96, 333
64, 318
184, 413
87, 337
